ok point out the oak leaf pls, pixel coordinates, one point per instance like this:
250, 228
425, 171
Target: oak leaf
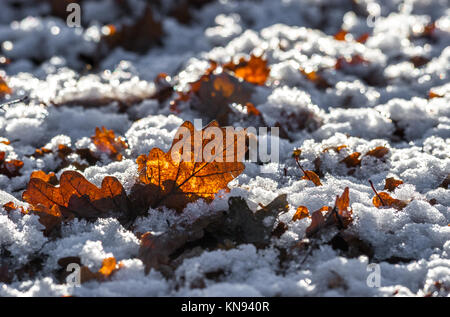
175, 178
48, 178
76, 197
239, 224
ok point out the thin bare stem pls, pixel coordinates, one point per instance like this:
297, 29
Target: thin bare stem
376, 193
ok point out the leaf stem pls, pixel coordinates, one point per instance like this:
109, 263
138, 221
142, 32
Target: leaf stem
376, 193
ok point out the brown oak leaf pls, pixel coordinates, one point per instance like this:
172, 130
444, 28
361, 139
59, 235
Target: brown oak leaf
76, 197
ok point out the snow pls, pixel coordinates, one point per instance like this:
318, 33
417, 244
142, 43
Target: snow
394, 112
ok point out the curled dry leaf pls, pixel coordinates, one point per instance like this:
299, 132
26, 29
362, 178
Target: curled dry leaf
76, 197
109, 267
378, 152
213, 93
308, 175
313, 177
254, 70
392, 183
340, 35
340, 215
190, 170
106, 141
352, 160
445, 182
334, 148
385, 200
10, 168
138, 37
433, 94
302, 212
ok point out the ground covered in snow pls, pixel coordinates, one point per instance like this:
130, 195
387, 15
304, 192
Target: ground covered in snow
383, 101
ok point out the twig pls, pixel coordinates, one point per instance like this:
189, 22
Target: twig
12, 102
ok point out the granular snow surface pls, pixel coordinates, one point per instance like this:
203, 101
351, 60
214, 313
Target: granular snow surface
383, 102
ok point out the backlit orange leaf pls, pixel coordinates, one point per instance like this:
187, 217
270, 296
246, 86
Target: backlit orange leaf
352, 160
76, 197
378, 152
296, 153
317, 79
362, 38
251, 109
344, 214
5, 141
254, 71
4, 88
308, 175
335, 148
340, 35
106, 141
392, 183
302, 212
9, 168
313, 177
213, 94
432, 95
184, 174
41, 152
383, 199
109, 267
